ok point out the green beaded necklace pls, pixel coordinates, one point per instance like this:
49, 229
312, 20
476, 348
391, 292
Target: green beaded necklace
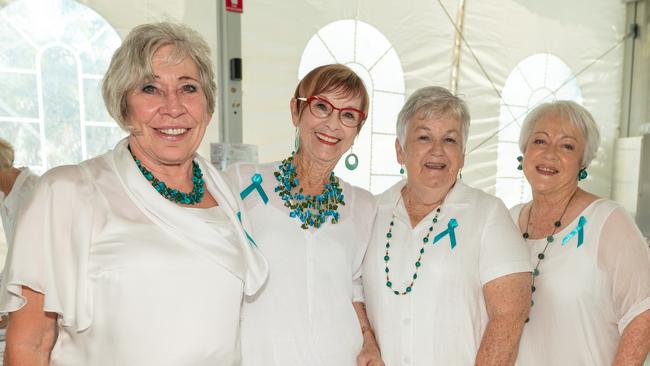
175, 195
418, 263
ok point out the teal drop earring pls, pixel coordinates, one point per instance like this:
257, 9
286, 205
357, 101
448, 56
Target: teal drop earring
520, 159
351, 161
401, 169
582, 174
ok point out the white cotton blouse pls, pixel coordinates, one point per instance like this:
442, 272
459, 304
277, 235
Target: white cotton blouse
585, 296
10, 203
135, 279
441, 321
304, 315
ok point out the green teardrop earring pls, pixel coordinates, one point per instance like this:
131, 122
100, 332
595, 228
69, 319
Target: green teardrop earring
520, 159
351, 161
582, 174
401, 169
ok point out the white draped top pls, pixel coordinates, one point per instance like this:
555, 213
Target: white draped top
586, 295
134, 278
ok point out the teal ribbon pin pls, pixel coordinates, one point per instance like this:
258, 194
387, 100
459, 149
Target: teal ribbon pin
256, 185
248, 236
453, 224
578, 230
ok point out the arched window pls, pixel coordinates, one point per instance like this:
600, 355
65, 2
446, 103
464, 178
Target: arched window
537, 79
365, 50
52, 59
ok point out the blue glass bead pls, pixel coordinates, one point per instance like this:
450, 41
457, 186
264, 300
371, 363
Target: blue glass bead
408, 289
389, 235
386, 258
550, 239
425, 239
418, 264
536, 272
389, 284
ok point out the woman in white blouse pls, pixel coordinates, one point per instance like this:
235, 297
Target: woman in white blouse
16, 184
313, 229
135, 257
446, 276
591, 287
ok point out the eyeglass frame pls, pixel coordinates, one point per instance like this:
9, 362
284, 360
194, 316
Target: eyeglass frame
308, 100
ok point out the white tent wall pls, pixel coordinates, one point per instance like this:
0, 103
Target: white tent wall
502, 33
274, 35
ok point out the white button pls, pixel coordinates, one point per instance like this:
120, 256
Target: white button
407, 359
406, 321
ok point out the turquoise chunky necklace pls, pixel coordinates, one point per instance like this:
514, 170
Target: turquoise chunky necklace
175, 195
418, 263
311, 210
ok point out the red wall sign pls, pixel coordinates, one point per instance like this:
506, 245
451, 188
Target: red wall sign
236, 6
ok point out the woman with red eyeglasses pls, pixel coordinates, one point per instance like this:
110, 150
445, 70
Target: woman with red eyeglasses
313, 229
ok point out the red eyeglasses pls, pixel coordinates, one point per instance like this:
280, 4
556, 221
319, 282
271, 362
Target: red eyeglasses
322, 108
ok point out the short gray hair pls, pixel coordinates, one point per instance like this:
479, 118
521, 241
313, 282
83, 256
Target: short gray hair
131, 64
433, 101
6, 155
576, 115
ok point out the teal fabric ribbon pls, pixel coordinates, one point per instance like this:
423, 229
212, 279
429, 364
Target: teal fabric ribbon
248, 236
256, 185
451, 225
578, 230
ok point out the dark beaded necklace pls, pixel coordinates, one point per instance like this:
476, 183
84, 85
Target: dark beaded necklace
418, 262
549, 239
175, 195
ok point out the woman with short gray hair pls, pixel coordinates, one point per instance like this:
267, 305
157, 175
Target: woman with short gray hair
446, 276
591, 282
138, 256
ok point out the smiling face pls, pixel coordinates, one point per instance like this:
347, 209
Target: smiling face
323, 140
432, 153
553, 154
168, 114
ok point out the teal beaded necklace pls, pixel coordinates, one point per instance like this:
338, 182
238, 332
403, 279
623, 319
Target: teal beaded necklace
418, 263
175, 195
312, 211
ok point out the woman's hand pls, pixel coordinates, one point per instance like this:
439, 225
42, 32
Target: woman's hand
369, 355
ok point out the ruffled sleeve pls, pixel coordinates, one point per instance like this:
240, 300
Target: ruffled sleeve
503, 250
623, 254
50, 251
